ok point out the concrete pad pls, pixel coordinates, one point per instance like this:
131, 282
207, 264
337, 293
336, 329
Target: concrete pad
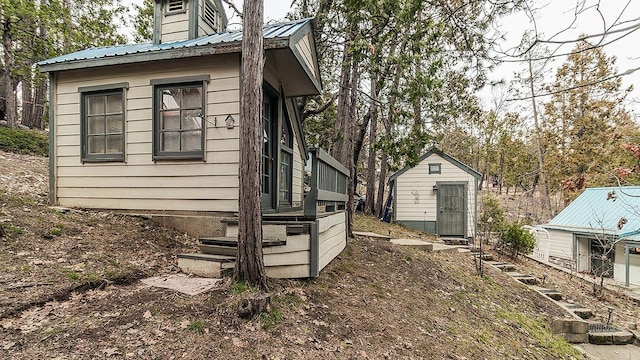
611, 352
414, 244
371, 235
183, 283
439, 247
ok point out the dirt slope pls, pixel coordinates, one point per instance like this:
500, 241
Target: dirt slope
73, 293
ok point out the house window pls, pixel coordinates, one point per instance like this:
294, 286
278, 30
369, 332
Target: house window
178, 121
174, 6
211, 15
102, 125
434, 168
286, 162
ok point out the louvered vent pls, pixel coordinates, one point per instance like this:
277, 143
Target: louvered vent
175, 6
211, 15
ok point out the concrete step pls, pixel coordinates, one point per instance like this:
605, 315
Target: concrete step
603, 334
206, 265
414, 244
454, 241
579, 310
506, 267
551, 293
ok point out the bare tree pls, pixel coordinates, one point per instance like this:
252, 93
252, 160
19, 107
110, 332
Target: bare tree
250, 261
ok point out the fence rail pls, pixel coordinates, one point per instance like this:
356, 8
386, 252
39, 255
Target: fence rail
328, 184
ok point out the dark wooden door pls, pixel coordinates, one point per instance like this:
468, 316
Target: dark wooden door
451, 210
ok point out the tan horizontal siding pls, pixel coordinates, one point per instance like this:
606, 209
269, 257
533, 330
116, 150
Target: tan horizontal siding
154, 204
332, 238
167, 193
141, 183
288, 272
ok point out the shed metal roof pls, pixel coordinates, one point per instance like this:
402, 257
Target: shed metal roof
214, 43
598, 210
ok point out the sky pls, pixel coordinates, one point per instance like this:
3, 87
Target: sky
553, 17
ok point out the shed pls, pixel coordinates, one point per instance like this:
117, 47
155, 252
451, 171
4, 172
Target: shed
437, 196
598, 233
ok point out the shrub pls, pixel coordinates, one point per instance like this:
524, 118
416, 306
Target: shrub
491, 216
517, 240
23, 142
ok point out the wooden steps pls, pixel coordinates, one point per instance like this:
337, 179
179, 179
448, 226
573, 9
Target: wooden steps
228, 246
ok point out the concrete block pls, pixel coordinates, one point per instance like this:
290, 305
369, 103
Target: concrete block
622, 338
560, 326
200, 268
274, 232
576, 338
579, 327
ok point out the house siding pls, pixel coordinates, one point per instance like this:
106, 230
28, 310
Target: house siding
175, 26
139, 182
332, 237
561, 248
415, 201
619, 268
297, 186
303, 46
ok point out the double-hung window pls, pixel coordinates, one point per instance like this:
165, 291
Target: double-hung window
178, 124
102, 123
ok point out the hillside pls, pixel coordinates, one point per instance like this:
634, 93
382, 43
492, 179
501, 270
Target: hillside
69, 289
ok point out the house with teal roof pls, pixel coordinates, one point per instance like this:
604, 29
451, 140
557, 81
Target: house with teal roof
599, 233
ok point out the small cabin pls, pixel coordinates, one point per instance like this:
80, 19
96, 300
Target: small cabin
598, 233
438, 196
153, 128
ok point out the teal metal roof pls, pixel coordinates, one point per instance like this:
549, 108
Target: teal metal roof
145, 52
599, 210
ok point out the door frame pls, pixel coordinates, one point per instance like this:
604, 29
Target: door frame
270, 200
465, 213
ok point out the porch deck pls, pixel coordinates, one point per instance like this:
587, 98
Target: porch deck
297, 243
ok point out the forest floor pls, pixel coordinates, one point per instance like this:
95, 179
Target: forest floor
70, 289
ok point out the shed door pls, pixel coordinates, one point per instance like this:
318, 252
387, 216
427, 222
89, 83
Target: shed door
451, 209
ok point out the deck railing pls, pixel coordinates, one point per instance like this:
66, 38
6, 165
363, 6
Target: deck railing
328, 185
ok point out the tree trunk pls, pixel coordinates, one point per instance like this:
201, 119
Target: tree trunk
39, 101
381, 183
27, 102
546, 203
371, 161
250, 260
11, 108
348, 151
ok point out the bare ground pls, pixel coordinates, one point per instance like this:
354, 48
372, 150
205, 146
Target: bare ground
69, 289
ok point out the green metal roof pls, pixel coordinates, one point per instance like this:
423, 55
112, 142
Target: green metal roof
275, 36
598, 210
440, 153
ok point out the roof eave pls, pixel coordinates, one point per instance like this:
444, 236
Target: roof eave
156, 55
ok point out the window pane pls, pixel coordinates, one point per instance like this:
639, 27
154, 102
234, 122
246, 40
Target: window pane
96, 145
96, 125
114, 144
171, 120
191, 120
191, 141
114, 124
170, 141
114, 104
171, 99
192, 98
95, 105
